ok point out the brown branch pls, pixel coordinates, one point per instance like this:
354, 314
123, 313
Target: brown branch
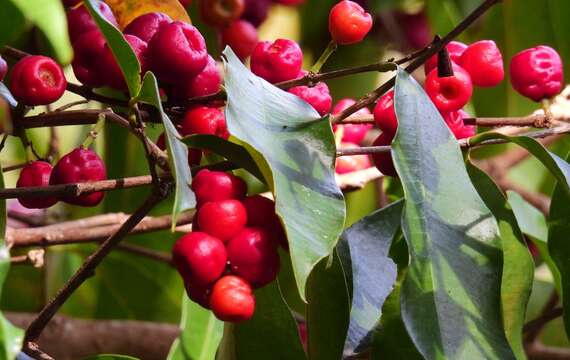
543, 319
535, 120
532, 332
145, 252
14, 167
537, 351
538, 200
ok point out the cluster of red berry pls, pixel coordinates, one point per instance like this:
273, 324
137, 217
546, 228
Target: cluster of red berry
232, 248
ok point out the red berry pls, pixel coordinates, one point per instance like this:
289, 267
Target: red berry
205, 83
70, 3
537, 73
256, 11
449, 93
204, 120
454, 121
349, 23
145, 26
277, 61
80, 165
242, 37
353, 133
383, 161
260, 210
484, 63
385, 115
36, 173
232, 299
415, 28
221, 12
37, 80
346, 164
3, 68
185, 3
253, 255
177, 51
200, 258
455, 50
198, 294
223, 219
87, 50
109, 69
194, 155
79, 20
317, 96
216, 185
290, 2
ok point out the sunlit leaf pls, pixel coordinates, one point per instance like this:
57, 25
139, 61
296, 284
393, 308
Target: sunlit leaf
127, 10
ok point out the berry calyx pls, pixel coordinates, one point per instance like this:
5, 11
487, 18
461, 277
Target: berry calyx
207, 82
317, 96
232, 299
449, 93
383, 161
204, 120
352, 133
242, 37
109, 68
199, 258
37, 80
385, 115
349, 23
217, 185
79, 20
3, 68
36, 173
221, 12
87, 52
484, 63
455, 49
347, 164
537, 73
145, 26
277, 61
223, 219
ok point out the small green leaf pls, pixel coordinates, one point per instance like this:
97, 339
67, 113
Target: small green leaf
122, 51
298, 162
451, 296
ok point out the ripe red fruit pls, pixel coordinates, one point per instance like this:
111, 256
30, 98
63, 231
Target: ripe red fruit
80, 165
384, 161
415, 28
109, 69
37, 80
349, 23
352, 133
3, 68
455, 50
194, 155
79, 21
385, 115
537, 73
198, 294
317, 96
449, 93
205, 83
87, 50
223, 219
177, 51
277, 61
204, 120
70, 3
242, 37
253, 255
199, 258
290, 2
256, 11
454, 121
260, 210
221, 12
346, 164
232, 299
36, 173
484, 63
145, 26
217, 185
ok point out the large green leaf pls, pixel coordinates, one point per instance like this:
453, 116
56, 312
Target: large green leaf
177, 150
518, 266
201, 334
363, 250
451, 303
298, 147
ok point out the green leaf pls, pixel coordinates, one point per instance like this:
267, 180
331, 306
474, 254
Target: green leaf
298, 147
177, 150
372, 273
201, 334
49, 17
111, 357
272, 333
122, 51
450, 300
518, 266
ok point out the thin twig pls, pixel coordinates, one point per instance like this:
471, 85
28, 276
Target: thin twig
535, 120
145, 252
532, 332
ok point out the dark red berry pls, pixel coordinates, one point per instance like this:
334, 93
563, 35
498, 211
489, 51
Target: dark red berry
349, 23
109, 68
223, 219
36, 173
260, 210
204, 120
70, 3
416, 28
194, 155
277, 61
454, 121
145, 26
242, 37
221, 12
256, 11
317, 96
80, 165
484, 63
79, 21
232, 299
205, 83
185, 3
37, 80
3, 68
455, 50
217, 185
383, 161
537, 73
385, 115
449, 93
198, 294
290, 2
353, 133
200, 258
347, 164
88, 49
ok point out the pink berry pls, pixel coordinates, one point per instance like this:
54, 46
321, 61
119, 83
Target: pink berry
385, 115
290, 2
454, 121
109, 69
223, 219
484, 63
455, 50
449, 93
277, 61
384, 161
317, 96
347, 164
352, 133
256, 11
349, 23
79, 20
37, 80
88, 49
145, 26
204, 120
217, 185
205, 83
36, 173
242, 37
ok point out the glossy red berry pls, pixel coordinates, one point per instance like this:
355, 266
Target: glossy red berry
385, 114
177, 51
317, 96
449, 93
277, 61
221, 12
454, 121
80, 165
256, 11
260, 210
36, 173
199, 258
352, 133
109, 69
79, 20
349, 23
198, 294
37, 80
217, 185
3, 68
204, 120
537, 73
223, 219
347, 164
88, 49
484, 63
384, 161
253, 255
455, 50
207, 82
242, 37
145, 26
232, 299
